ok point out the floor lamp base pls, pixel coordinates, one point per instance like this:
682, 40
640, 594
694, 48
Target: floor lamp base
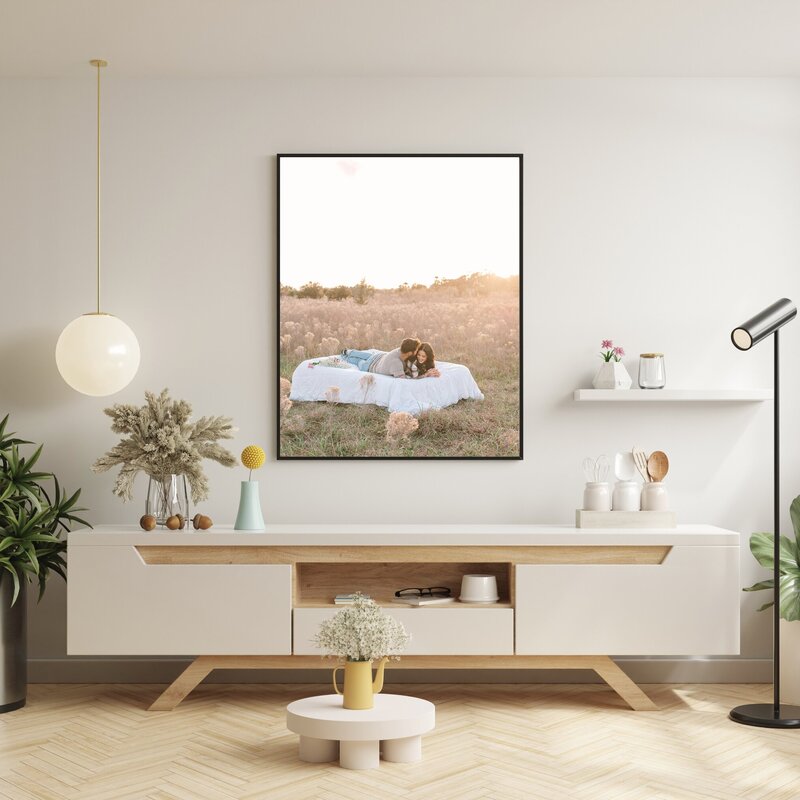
763, 715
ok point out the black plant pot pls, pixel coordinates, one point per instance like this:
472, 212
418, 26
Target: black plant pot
13, 647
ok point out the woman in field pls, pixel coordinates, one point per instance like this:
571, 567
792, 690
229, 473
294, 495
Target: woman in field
424, 361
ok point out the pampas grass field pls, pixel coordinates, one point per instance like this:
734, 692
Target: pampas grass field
478, 330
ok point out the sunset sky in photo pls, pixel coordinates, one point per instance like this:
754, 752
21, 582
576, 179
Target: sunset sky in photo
397, 220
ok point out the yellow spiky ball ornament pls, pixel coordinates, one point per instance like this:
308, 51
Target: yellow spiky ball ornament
253, 457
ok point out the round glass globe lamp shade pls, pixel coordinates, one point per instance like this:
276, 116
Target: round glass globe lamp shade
97, 354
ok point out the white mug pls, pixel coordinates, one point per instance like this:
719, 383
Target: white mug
479, 589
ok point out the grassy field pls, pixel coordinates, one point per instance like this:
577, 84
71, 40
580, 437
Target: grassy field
481, 332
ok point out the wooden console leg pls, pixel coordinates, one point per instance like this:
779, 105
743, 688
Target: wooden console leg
188, 680
613, 675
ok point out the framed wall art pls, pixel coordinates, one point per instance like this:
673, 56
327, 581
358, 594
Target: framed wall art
399, 306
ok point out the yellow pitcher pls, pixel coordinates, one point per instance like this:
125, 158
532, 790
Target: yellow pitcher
358, 684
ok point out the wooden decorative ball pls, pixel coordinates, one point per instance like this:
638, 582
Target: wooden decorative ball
148, 522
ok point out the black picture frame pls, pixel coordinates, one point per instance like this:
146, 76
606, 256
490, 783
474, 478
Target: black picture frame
283, 457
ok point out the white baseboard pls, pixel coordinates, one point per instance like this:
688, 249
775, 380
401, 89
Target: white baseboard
165, 670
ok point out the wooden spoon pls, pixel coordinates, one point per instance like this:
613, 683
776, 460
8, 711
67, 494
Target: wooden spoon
658, 465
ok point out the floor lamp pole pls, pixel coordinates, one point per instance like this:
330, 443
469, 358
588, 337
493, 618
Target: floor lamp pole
773, 715
776, 513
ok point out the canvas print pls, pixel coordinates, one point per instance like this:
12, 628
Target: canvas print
399, 318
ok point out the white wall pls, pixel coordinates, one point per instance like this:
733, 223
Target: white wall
657, 212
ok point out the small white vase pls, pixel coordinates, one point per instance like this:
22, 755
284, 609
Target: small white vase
790, 662
612, 375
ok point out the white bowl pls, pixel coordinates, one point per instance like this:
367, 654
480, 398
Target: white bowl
479, 589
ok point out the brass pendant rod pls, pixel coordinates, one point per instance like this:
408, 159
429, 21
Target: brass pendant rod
97, 62
98, 188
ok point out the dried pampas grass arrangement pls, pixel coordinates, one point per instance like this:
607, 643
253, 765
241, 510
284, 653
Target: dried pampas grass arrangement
162, 440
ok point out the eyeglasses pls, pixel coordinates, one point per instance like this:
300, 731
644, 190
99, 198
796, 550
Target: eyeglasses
430, 591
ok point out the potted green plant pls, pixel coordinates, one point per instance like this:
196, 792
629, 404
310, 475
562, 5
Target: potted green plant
32, 519
762, 547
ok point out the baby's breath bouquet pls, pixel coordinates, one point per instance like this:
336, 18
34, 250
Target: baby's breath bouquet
162, 440
362, 632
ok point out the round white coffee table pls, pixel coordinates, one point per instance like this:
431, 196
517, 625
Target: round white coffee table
392, 730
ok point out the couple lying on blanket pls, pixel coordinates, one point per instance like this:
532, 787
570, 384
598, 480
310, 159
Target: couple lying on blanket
413, 359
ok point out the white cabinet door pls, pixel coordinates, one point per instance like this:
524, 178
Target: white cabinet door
118, 605
434, 631
687, 605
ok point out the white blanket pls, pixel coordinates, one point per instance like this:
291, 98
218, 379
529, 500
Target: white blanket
311, 382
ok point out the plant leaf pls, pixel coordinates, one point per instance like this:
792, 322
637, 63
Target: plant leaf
789, 598
794, 513
762, 547
757, 587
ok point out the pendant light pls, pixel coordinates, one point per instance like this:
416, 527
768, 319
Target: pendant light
97, 353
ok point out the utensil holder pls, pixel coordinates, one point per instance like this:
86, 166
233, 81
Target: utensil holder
596, 497
655, 497
626, 497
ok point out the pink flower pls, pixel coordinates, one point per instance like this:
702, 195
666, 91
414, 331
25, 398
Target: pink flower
606, 344
619, 351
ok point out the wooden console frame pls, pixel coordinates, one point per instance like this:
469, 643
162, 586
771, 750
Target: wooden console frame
604, 666
311, 564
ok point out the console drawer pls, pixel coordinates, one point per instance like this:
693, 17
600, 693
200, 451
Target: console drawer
686, 605
119, 605
434, 631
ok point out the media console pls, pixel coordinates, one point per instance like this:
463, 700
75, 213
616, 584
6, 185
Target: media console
569, 598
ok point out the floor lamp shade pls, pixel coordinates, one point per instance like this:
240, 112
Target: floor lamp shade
763, 324
97, 354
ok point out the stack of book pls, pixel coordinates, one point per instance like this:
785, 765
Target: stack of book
347, 599
423, 601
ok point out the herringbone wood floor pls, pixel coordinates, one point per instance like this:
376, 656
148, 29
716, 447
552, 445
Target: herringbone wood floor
505, 742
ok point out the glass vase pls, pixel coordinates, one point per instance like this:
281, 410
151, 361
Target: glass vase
167, 496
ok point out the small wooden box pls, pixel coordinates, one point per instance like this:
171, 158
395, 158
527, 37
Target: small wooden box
625, 519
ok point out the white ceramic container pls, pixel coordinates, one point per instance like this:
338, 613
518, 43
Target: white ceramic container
596, 497
655, 497
627, 496
479, 589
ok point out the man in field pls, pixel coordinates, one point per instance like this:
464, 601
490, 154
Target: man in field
396, 363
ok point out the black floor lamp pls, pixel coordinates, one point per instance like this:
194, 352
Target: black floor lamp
770, 715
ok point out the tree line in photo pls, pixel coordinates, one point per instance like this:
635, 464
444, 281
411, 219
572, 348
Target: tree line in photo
476, 284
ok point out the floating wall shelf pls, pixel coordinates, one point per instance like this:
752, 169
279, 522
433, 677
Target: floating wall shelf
672, 395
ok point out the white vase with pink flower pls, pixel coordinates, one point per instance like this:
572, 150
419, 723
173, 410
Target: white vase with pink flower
612, 373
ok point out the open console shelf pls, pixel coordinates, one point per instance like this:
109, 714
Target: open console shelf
316, 584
